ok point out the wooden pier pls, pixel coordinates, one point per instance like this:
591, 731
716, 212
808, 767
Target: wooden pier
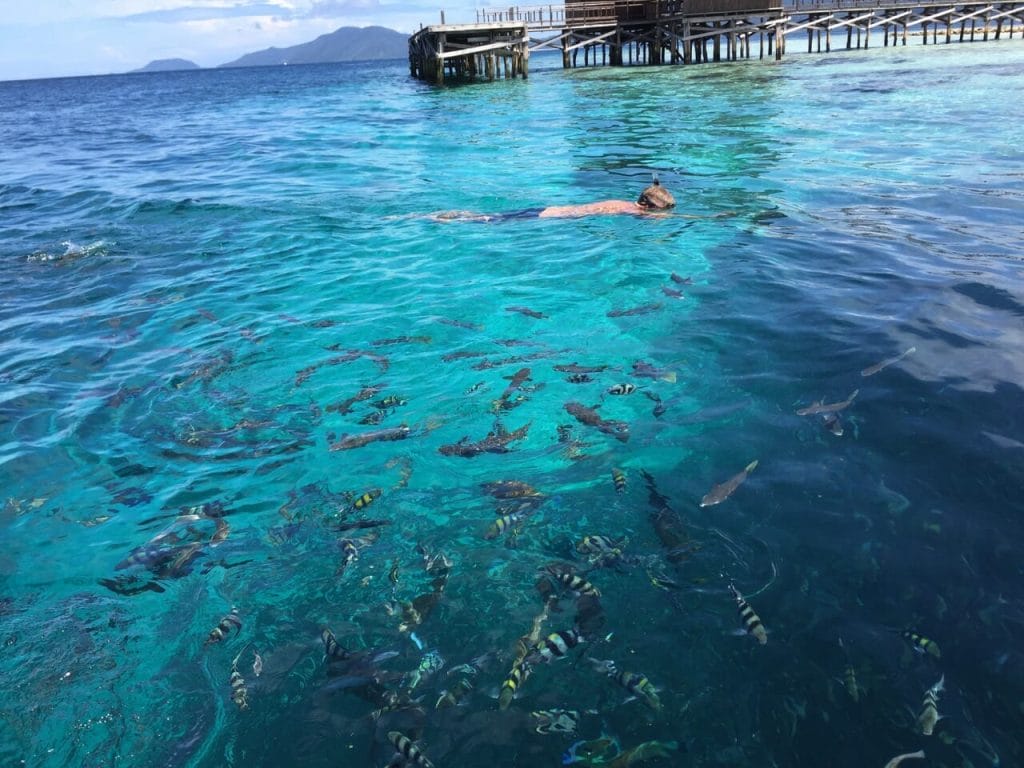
631, 32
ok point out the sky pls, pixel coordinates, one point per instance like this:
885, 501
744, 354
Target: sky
56, 38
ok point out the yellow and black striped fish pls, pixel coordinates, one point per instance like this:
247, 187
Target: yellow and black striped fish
451, 698
640, 686
619, 480
575, 583
920, 643
555, 646
751, 621
409, 750
502, 524
366, 499
391, 401
510, 686
622, 389
224, 627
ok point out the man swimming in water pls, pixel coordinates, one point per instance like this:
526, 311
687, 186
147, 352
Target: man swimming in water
655, 199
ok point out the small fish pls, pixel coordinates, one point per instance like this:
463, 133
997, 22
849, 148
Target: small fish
751, 621
512, 683
224, 627
451, 697
929, 711
591, 753
365, 499
819, 407
373, 417
618, 480
393, 573
919, 755
409, 750
920, 643
239, 693
648, 371
334, 650
346, 405
621, 389
723, 491
460, 324
509, 489
554, 646
349, 553
564, 576
644, 309
600, 545
578, 378
555, 720
527, 311
850, 682
391, 401
479, 385
431, 662
503, 523
639, 686
832, 424
401, 340
679, 280
871, 370
580, 369
672, 292
348, 442
257, 664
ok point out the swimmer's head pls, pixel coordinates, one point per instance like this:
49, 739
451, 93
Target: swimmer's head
656, 197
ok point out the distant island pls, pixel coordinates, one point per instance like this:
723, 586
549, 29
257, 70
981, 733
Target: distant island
343, 44
168, 65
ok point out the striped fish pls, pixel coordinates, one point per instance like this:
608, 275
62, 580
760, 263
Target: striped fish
751, 621
576, 583
640, 687
929, 712
619, 480
920, 643
334, 650
621, 389
510, 686
408, 750
224, 627
555, 646
365, 499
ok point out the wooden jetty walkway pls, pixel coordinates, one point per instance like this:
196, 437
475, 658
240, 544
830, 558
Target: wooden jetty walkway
620, 32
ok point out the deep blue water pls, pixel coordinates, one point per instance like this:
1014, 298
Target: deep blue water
201, 266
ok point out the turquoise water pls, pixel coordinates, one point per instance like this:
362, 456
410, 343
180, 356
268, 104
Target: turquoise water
197, 268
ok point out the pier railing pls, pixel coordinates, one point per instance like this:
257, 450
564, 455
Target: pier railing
597, 12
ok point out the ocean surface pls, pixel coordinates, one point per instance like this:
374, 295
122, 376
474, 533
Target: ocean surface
243, 368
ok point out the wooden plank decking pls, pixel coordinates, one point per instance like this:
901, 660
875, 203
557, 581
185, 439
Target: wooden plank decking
622, 32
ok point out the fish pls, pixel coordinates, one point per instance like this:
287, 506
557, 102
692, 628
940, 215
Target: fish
929, 711
231, 621
401, 340
348, 442
257, 664
373, 417
345, 406
408, 750
475, 387
391, 401
679, 280
515, 381
819, 407
554, 646
590, 417
335, 651
503, 523
639, 686
431, 662
580, 369
648, 371
365, 499
451, 697
919, 755
555, 721
594, 752
350, 549
672, 292
527, 311
393, 573
565, 576
578, 378
621, 389
497, 441
512, 683
920, 643
871, 370
618, 480
462, 355
644, 309
832, 424
600, 545
850, 682
751, 621
643, 752
659, 407
239, 693
722, 491
509, 489
460, 324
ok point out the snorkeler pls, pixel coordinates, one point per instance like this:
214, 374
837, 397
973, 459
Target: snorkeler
653, 200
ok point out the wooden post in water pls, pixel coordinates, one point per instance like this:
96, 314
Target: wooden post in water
849, 33
565, 52
828, 37
867, 30
972, 30
985, 38
924, 33
439, 63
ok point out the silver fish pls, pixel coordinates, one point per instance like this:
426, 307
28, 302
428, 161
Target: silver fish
871, 370
556, 720
929, 712
819, 407
722, 491
908, 756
